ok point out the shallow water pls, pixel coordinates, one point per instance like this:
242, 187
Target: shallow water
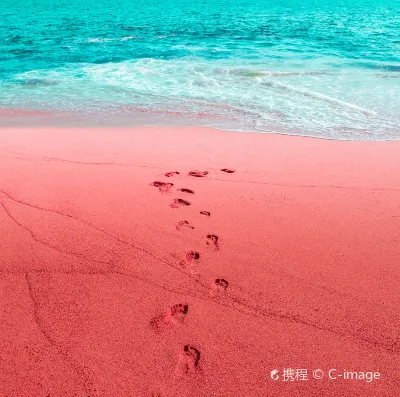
306, 68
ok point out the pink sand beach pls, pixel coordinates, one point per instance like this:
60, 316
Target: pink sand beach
173, 261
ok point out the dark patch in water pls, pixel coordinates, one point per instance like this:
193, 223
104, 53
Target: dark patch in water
371, 65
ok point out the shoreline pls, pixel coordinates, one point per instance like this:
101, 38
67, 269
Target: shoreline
134, 118
94, 254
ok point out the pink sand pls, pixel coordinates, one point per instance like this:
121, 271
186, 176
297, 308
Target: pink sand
90, 253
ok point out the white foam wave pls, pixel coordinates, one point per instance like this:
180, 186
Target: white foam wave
110, 39
317, 102
322, 97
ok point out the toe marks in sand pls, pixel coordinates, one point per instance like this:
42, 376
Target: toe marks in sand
162, 186
193, 353
184, 224
188, 361
212, 241
218, 287
191, 255
191, 262
198, 174
222, 283
179, 203
172, 173
186, 191
172, 316
205, 213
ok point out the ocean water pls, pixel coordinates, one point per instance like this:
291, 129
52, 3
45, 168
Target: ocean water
316, 68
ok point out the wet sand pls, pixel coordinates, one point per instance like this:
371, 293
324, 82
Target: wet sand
192, 262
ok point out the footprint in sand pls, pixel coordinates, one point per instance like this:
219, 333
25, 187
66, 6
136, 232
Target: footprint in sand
179, 203
172, 173
227, 170
184, 224
198, 174
173, 316
191, 262
163, 186
192, 255
188, 361
186, 190
218, 287
212, 241
205, 213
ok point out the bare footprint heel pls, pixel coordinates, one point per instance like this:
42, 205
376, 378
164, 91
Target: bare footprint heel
158, 324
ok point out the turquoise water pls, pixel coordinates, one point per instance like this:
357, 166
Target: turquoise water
319, 68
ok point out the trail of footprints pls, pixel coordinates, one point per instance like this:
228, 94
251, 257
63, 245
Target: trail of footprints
189, 358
